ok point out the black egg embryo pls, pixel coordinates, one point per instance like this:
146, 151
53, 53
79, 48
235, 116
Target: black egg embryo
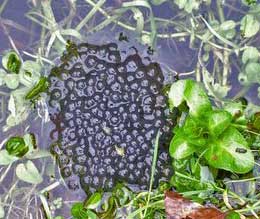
108, 109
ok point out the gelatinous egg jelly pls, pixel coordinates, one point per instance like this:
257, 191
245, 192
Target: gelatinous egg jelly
107, 111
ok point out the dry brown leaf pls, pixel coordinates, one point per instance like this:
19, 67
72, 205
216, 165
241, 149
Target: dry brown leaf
178, 207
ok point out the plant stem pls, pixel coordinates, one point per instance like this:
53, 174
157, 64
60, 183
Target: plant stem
3, 6
225, 53
155, 154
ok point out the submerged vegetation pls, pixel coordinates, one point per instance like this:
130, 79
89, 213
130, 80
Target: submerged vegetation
213, 98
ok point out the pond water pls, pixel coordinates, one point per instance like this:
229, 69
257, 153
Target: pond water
24, 28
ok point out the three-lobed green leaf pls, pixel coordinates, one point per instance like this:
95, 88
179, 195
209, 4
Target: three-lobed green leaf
230, 152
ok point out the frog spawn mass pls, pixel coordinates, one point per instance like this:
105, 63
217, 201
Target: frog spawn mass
108, 107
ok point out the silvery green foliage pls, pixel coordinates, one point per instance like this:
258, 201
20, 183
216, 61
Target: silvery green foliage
19, 83
189, 5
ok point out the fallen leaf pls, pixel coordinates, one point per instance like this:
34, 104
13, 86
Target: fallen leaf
177, 207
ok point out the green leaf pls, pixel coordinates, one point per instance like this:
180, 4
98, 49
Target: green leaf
230, 152
196, 98
227, 29
6, 158
176, 93
249, 26
228, 25
29, 141
94, 200
16, 146
180, 147
249, 2
91, 214
253, 72
78, 211
40, 87
232, 215
250, 54
11, 62
28, 173
194, 95
218, 121
192, 128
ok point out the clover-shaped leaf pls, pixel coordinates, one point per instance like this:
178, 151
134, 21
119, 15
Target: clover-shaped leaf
249, 25
250, 54
28, 172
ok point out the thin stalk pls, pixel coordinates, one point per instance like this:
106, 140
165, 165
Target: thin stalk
225, 53
90, 15
3, 6
155, 154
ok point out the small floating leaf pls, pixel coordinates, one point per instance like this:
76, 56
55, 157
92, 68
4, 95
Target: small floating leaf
11, 81
16, 146
28, 173
11, 62
249, 26
6, 158
250, 54
253, 72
